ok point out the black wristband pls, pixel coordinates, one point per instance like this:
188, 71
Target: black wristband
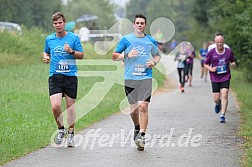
72, 52
155, 63
125, 55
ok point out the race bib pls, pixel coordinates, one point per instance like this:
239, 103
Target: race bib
221, 69
63, 66
139, 70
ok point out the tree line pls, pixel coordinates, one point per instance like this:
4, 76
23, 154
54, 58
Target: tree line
37, 13
29, 12
198, 20
195, 20
233, 19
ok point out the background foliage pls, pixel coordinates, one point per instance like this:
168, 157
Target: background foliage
29, 12
195, 21
101, 8
232, 19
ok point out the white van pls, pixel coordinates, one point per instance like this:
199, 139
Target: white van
13, 28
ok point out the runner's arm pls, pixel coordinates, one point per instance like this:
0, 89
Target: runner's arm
120, 56
78, 55
233, 64
212, 69
154, 62
46, 57
117, 56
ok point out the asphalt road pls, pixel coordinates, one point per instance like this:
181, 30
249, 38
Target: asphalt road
183, 131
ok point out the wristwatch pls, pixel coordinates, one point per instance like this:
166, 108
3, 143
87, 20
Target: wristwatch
73, 51
126, 55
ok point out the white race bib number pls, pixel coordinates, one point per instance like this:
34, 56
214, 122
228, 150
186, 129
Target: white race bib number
221, 69
139, 70
62, 66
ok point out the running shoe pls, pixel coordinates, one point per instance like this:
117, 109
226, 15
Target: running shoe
140, 142
135, 134
217, 108
222, 118
181, 89
70, 140
60, 136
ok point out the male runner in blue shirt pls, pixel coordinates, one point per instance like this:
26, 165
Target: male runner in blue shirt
63, 48
140, 56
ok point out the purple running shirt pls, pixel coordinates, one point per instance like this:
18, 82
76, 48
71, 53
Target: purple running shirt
222, 62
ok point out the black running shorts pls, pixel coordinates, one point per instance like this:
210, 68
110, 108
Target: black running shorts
138, 90
217, 86
59, 83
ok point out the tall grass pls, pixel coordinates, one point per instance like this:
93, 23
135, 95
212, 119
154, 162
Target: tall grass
26, 119
21, 49
243, 90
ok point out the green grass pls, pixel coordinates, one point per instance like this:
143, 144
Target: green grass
23, 49
243, 90
25, 110
26, 118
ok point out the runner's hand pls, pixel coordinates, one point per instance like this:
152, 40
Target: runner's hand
67, 48
213, 69
46, 59
150, 64
233, 64
133, 53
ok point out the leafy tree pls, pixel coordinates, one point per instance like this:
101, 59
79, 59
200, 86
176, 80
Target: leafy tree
178, 11
134, 7
200, 11
101, 8
29, 12
244, 37
233, 19
9, 10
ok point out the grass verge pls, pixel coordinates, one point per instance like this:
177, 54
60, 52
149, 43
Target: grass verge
243, 90
26, 119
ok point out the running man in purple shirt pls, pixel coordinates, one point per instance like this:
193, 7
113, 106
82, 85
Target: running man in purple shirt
218, 63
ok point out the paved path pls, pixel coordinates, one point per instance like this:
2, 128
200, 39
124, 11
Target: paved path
183, 131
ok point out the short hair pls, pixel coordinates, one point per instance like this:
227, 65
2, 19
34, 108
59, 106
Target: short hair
140, 16
218, 34
58, 15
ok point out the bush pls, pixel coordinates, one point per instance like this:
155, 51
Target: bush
20, 49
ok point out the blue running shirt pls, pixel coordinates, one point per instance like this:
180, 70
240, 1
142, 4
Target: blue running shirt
135, 67
61, 61
203, 52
